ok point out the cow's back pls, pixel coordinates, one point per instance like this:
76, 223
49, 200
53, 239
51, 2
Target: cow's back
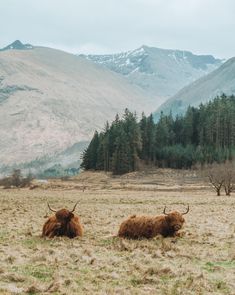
136, 227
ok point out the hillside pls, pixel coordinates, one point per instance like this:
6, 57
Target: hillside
160, 72
50, 100
222, 80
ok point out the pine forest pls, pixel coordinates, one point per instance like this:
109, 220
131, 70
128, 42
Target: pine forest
205, 134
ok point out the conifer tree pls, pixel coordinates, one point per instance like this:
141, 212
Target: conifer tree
120, 158
91, 153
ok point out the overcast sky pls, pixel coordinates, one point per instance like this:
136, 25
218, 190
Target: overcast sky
107, 26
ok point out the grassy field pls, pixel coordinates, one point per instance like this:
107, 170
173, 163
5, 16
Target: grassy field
200, 262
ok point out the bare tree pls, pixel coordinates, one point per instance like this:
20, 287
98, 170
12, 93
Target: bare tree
221, 176
16, 177
229, 177
214, 173
216, 180
16, 180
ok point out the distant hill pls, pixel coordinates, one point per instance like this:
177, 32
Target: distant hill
66, 159
222, 80
51, 100
159, 72
17, 45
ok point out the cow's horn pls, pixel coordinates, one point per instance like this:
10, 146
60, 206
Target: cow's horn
53, 210
186, 211
164, 211
74, 207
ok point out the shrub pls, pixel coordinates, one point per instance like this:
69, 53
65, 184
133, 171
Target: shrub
16, 180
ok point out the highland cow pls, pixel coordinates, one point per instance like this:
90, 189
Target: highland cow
63, 223
167, 225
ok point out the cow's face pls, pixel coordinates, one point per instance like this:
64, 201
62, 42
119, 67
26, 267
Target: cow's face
175, 220
64, 215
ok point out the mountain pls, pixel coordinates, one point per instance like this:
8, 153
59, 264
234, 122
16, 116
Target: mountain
51, 100
17, 45
222, 80
160, 72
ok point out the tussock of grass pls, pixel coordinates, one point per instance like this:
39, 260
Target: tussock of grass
219, 265
4, 236
222, 286
42, 272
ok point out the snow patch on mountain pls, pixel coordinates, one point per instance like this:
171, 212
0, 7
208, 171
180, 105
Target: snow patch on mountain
160, 72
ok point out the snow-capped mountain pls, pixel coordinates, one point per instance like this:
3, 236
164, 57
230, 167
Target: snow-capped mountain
222, 80
160, 72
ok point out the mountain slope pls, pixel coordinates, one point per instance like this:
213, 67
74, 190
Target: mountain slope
160, 72
49, 100
222, 80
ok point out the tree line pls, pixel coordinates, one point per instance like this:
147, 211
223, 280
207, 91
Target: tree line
205, 134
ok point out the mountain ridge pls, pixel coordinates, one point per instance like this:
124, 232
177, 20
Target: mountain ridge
159, 72
221, 80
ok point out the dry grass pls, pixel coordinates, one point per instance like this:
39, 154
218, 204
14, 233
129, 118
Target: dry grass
200, 262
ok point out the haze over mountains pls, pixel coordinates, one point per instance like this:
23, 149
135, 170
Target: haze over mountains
159, 72
50, 100
222, 80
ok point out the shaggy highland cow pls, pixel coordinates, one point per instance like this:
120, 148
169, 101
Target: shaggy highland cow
63, 223
137, 227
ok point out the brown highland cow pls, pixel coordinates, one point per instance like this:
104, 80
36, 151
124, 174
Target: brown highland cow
63, 223
137, 227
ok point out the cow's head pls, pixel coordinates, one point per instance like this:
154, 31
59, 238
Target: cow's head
175, 219
63, 215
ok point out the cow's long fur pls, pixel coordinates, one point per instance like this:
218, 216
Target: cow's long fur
137, 227
62, 223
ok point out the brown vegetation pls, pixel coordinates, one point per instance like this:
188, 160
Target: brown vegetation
63, 223
16, 180
202, 261
221, 176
